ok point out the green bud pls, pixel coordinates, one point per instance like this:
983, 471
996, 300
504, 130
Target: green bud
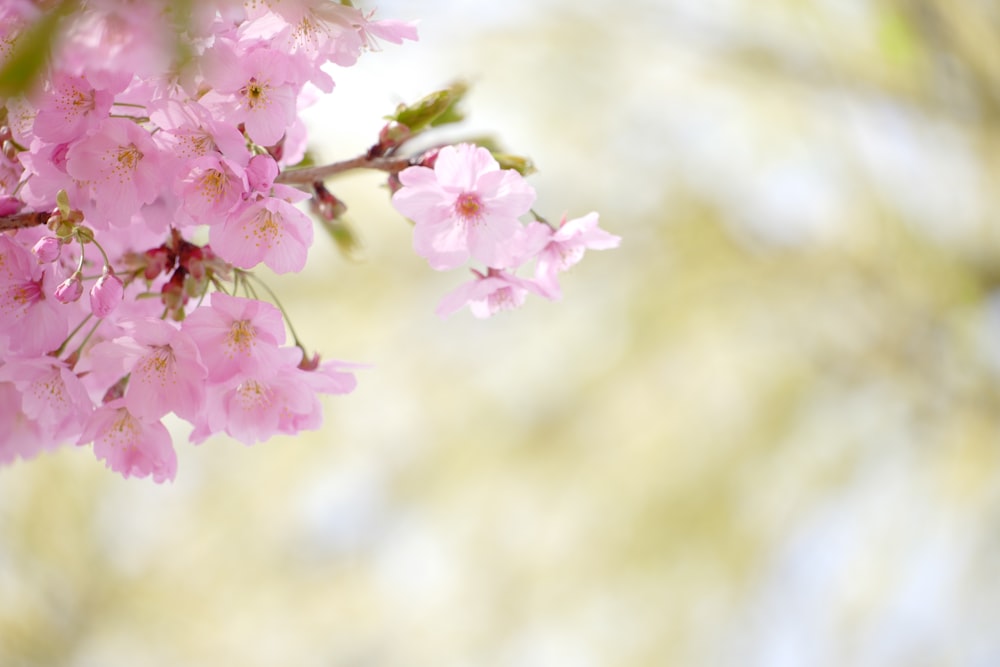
518, 163
85, 234
438, 108
62, 201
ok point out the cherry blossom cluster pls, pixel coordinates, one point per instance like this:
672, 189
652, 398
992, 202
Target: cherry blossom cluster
156, 159
464, 206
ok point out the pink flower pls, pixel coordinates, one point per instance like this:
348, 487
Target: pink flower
465, 206
51, 396
565, 247
488, 294
71, 108
123, 167
128, 444
165, 370
254, 407
236, 335
269, 230
32, 324
106, 293
20, 436
257, 88
212, 188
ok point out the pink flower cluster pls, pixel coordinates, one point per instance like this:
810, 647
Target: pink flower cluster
129, 150
152, 165
465, 206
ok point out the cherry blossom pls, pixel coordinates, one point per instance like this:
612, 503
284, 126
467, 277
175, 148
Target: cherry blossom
465, 206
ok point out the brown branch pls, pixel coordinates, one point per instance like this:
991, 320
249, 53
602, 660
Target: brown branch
312, 174
24, 220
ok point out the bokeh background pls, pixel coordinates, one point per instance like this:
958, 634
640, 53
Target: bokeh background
763, 431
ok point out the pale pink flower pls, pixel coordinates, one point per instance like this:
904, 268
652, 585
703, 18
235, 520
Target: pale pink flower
123, 167
165, 370
465, 206
51, 395
20, 436
269, 230
30, 323
212, 188
254, 407
236, 335
565, 246
488, 294
71, 108
130, 445
106, 294
257, 88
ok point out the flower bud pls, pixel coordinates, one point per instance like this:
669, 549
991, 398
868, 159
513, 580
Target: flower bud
106, 293
70, 289
10, 205
47, 250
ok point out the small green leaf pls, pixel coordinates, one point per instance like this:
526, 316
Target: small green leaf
437, 108
518, 163
344, 236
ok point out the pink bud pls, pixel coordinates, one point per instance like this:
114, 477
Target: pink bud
10, 205
106, 293
70, 289
47, 250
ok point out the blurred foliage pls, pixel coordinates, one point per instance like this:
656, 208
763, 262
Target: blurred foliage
762, 432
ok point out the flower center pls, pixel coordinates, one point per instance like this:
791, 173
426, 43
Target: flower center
469, 206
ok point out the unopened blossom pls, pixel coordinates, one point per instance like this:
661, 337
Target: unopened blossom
47, 249
465, 206
106, 294
69, 290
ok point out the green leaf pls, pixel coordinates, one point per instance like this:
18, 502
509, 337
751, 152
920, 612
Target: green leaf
32, 49
438, 108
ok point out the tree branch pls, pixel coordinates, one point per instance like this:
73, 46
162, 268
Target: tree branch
312, 174
23, 220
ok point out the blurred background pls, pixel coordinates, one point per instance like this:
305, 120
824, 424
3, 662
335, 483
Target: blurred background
763, 431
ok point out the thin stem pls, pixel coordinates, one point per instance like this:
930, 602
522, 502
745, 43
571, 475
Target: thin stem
277, 302
312, 174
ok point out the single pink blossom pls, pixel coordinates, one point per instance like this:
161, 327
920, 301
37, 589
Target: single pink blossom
71, 108
123, 167
30, 323
257, 88
164, 367
465, 206
255, 407
236, 335
130, 445
269, 230
565, 247
51, 395
488, 294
